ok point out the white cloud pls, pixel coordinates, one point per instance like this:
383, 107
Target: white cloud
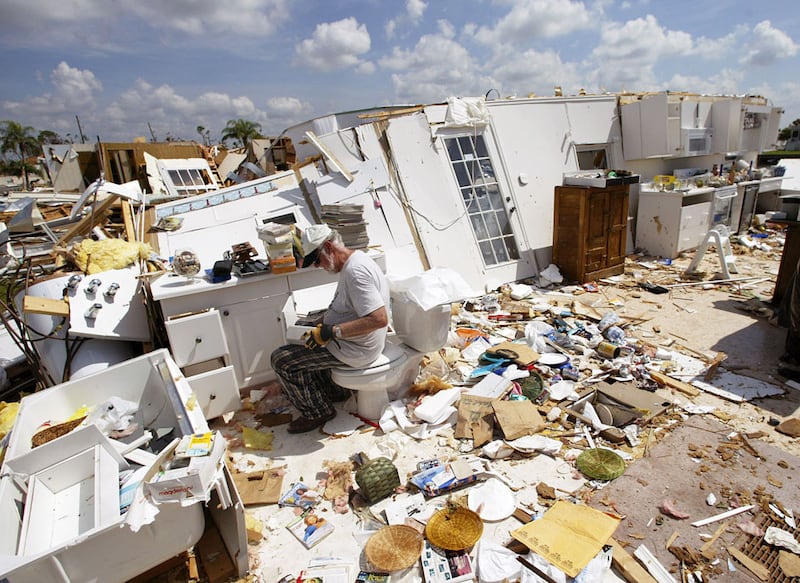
288, 106
639, 42
238, 18
73, 91
529, 19
335, 45
435, 68
768, 45
169, 112
522, 73
413, 16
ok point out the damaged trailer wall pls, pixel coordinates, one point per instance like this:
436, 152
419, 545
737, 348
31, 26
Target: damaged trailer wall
530, 144
537, 141
359, 151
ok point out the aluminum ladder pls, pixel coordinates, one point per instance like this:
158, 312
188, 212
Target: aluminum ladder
720, 237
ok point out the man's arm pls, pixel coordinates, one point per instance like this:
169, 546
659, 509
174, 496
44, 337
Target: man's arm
364, 325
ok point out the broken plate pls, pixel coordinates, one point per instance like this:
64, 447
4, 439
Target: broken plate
492, 500
553, 359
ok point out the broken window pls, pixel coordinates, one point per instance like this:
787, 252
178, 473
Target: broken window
482, 198
186, 177
591, 157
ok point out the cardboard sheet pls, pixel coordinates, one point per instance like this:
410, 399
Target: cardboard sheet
568, 535
263, 487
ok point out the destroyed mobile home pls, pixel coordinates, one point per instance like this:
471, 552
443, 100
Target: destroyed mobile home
517, 384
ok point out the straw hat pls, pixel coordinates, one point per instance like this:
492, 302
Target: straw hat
394, 547
454, 528
601, 464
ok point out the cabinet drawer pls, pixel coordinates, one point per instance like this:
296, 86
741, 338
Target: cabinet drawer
217, 391
196, 338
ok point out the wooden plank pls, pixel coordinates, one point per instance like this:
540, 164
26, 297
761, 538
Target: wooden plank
756, 568
627, 566
86, 223
47, 306
668, 381
127, 219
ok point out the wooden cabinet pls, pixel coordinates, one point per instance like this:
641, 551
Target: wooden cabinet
589, 231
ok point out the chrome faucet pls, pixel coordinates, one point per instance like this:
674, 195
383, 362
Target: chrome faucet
91, 313
93, 285
74, 280
112, 290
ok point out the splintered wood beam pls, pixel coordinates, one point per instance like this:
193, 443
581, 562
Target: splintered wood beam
46, 306
86, 223
628, 567
127, 219
668, 381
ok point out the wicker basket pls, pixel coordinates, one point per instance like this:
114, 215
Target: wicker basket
394, 548
377, 479
601, 464
52, 431
454, 528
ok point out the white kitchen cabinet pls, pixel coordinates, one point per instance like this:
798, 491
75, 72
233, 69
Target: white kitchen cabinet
254, 330
672, 221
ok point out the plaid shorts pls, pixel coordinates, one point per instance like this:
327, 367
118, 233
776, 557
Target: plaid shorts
305, 376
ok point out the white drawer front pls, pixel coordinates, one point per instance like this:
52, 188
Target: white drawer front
197, 338
217, 391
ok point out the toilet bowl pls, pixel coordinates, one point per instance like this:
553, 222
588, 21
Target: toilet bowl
395, 368
416, 332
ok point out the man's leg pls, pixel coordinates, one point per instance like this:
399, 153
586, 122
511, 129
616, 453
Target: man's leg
305, 376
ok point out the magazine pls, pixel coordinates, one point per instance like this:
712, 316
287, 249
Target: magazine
310, 528
299, 495
441, 566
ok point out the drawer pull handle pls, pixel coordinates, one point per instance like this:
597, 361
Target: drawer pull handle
226, 313
198, 340
211, 397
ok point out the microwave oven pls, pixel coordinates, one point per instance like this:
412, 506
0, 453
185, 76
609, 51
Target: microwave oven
696, 141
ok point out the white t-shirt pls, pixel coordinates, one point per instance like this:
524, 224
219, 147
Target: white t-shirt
361, 290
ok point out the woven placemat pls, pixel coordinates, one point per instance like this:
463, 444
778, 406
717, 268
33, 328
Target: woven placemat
394, 547
454, 528
601, 464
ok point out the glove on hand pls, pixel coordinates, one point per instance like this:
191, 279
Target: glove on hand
318, 336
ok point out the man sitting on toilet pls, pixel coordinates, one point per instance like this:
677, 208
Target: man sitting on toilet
353, 331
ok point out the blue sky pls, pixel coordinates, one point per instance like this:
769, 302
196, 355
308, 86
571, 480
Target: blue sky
178, 64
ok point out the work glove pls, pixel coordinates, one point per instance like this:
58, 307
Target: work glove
318, 336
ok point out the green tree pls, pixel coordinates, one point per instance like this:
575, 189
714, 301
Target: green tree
241, 131
17, 144
49, 137
786, 132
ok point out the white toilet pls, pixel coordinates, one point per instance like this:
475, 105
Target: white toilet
416, 332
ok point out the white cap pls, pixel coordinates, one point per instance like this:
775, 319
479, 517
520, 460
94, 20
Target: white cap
313, 238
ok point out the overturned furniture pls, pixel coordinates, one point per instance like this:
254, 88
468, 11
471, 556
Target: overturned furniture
66, 517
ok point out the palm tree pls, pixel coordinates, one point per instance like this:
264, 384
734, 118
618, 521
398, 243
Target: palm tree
241, 131
18, 141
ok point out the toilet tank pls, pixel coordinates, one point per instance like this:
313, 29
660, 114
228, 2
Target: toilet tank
422, 330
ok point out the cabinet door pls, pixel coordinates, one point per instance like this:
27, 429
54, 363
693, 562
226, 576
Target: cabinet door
596, 255
253, 330
617, 226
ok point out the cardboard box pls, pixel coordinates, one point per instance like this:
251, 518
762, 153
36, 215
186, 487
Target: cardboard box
191, 479
283, 264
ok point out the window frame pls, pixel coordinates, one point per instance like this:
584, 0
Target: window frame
477, 175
